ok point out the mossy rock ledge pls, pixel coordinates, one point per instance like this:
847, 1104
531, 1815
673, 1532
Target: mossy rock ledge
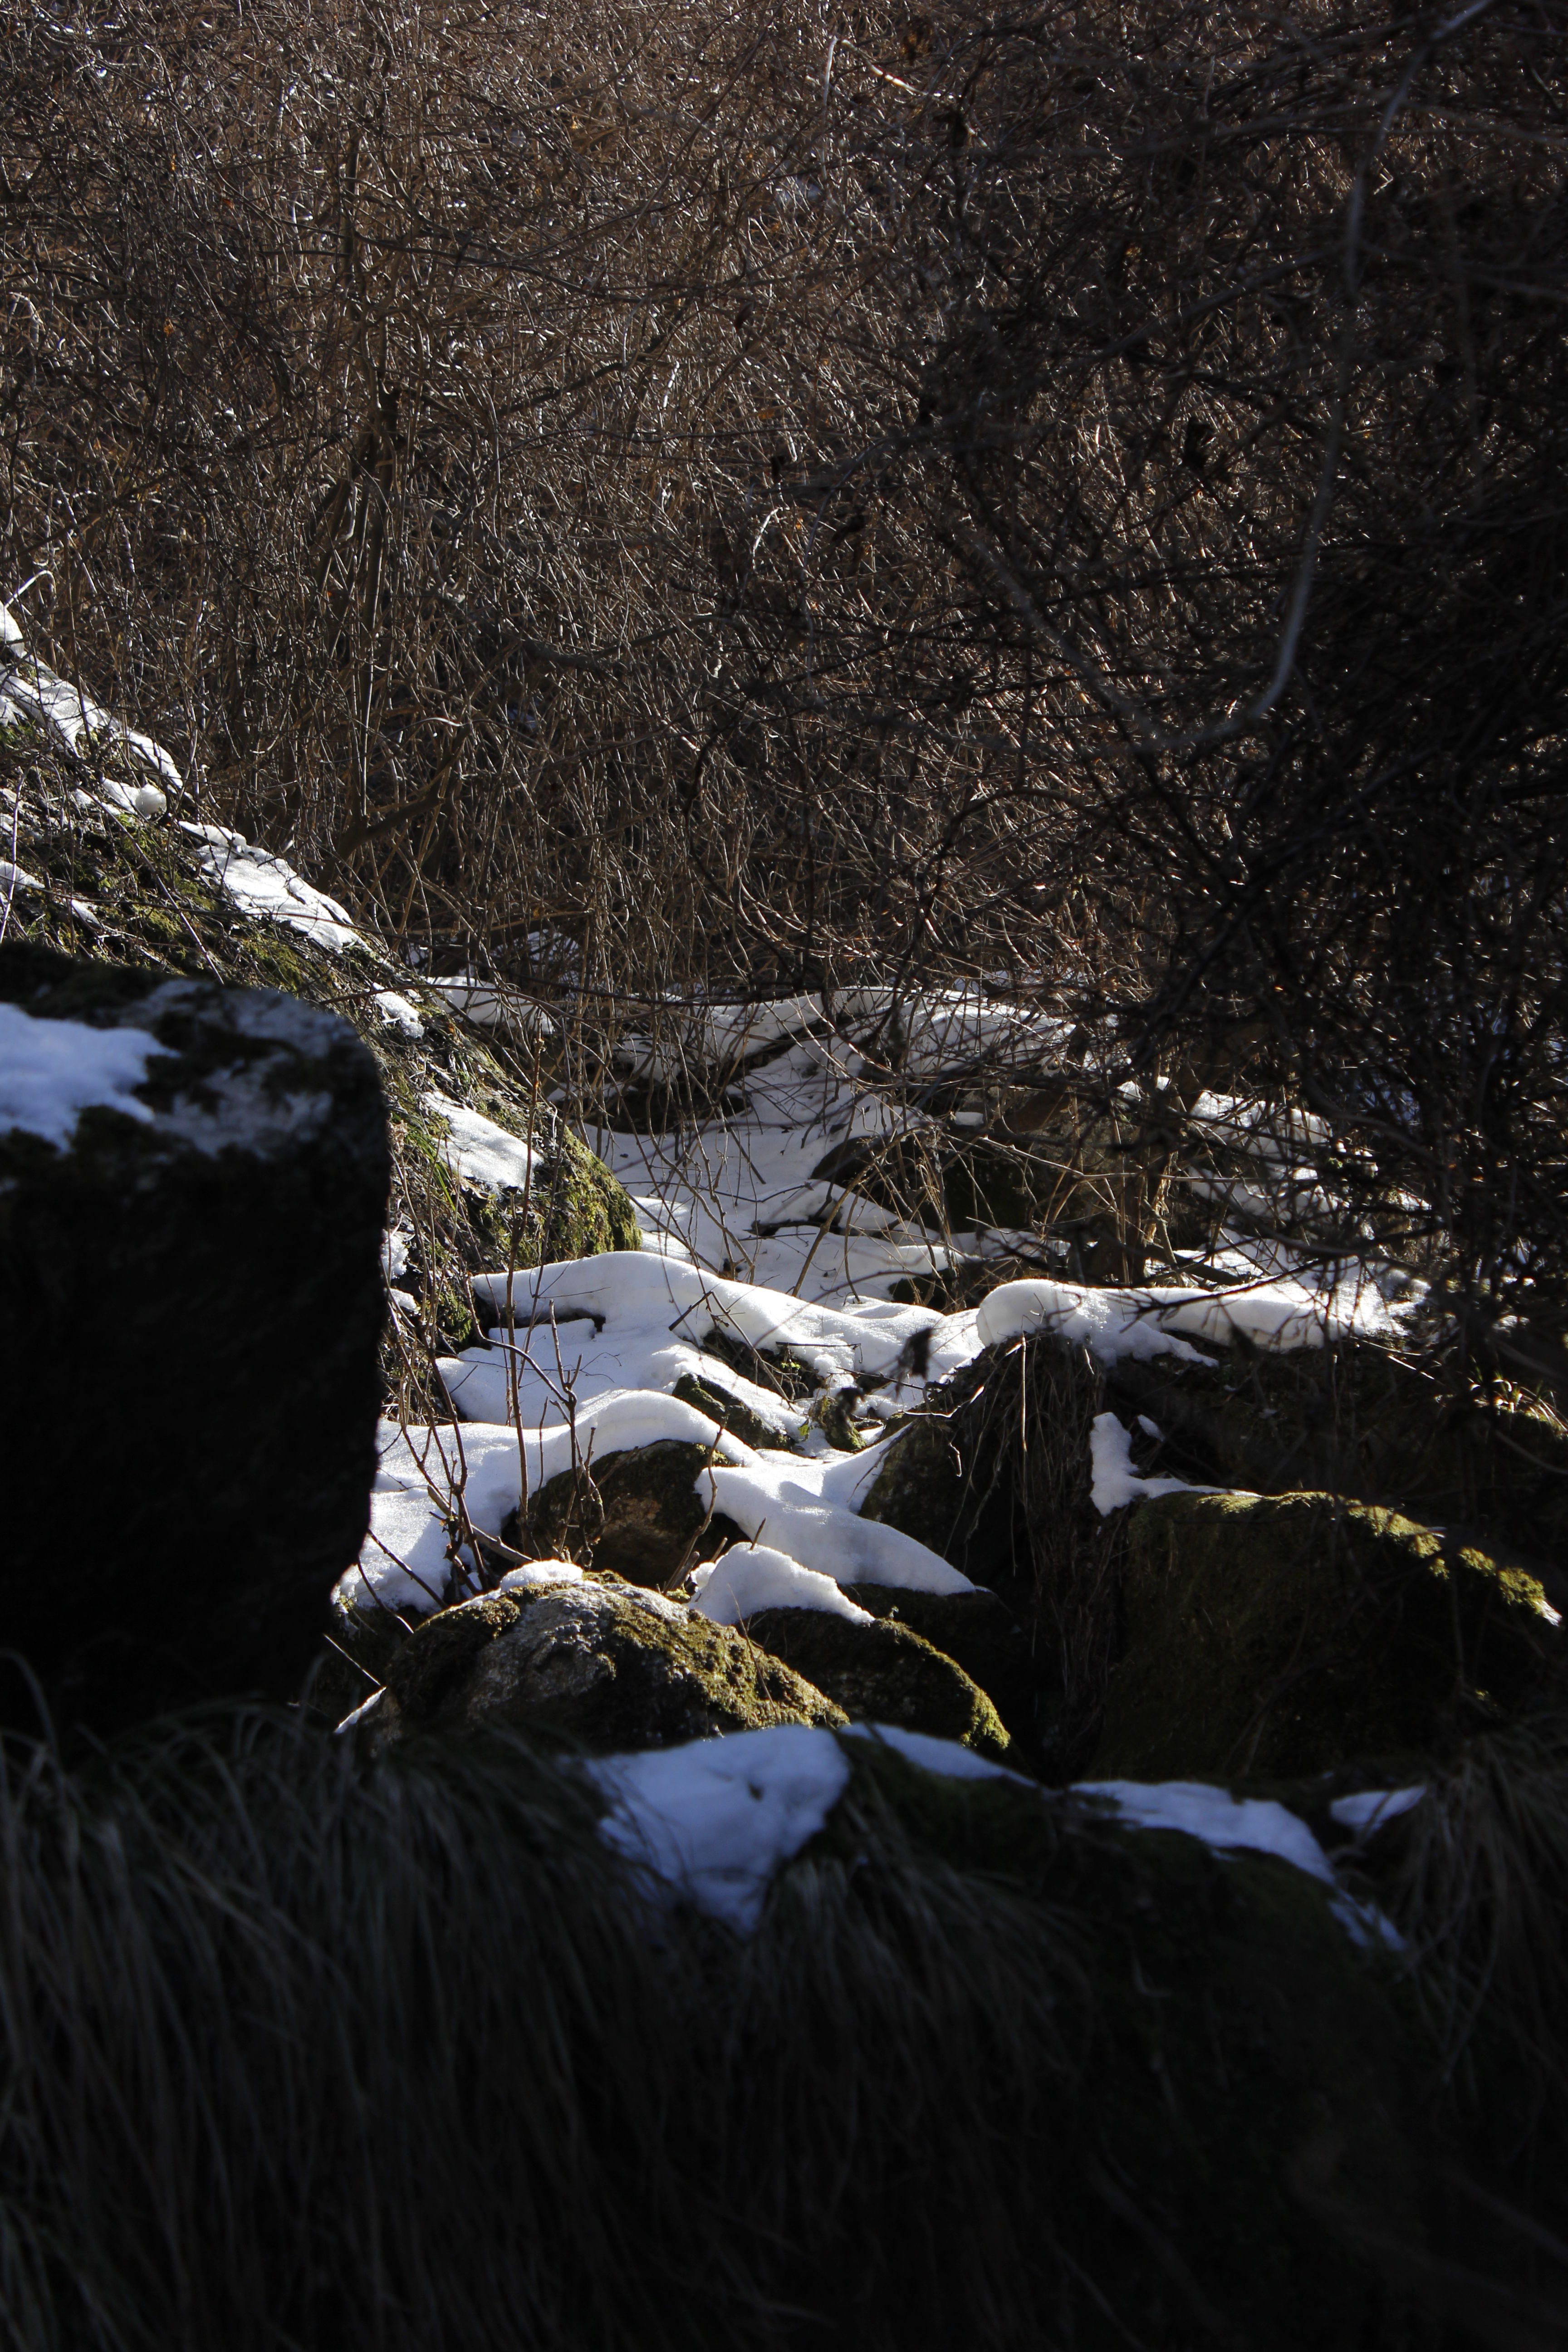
1271, 1637
599, 1663
883, 1672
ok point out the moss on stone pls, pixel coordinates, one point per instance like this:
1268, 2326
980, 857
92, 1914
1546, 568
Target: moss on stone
597, 1664
979, 1633
883, 1672
1288, 1634
1355, 1420
737, 1417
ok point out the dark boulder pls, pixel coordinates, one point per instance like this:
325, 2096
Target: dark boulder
640, 1514
191, 1303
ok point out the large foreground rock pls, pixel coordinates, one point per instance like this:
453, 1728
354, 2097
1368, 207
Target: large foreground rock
602, 1664
193, 1182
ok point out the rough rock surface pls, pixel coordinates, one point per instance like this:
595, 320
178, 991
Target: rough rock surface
604, 1664
1358, 1421
1285, 1635
638, 1514
114, 887
190, 1308
883, 1672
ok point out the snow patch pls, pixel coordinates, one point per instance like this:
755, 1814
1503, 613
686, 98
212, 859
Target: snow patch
535, 1572
398, 1012
1368, 1809
51, 1071
479, 1150
824, 1535
715, 1819
954, 1762
749, 1578
262, 884
1115, 1481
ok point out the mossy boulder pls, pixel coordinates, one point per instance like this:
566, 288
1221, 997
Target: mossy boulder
1355, 1419
117, 889
599, 1663
978, 1631
638, 1514
1286, 1634
883, 1672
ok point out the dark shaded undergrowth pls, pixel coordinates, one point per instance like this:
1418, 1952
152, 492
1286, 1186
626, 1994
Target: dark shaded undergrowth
302, 2053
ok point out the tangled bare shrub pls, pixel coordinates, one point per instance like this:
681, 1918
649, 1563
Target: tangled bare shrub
696, 497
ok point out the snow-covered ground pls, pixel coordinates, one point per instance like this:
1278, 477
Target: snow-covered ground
748, 1252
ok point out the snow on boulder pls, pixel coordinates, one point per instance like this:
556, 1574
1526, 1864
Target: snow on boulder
193, 1182
751, 1577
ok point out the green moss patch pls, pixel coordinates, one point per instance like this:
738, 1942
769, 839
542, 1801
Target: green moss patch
883, 1672
1288, 1634
595, 1664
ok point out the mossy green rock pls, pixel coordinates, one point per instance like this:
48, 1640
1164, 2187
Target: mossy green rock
638, 1514
977, 1631
1355, 1420
1271, 1637
883, 1672
600, 1664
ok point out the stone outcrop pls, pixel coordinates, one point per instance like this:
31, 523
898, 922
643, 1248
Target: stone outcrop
191, 1303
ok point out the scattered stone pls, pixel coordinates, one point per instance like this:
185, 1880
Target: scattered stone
601, 1663
190, 1309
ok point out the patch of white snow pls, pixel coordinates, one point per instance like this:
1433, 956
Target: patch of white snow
714, 1820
